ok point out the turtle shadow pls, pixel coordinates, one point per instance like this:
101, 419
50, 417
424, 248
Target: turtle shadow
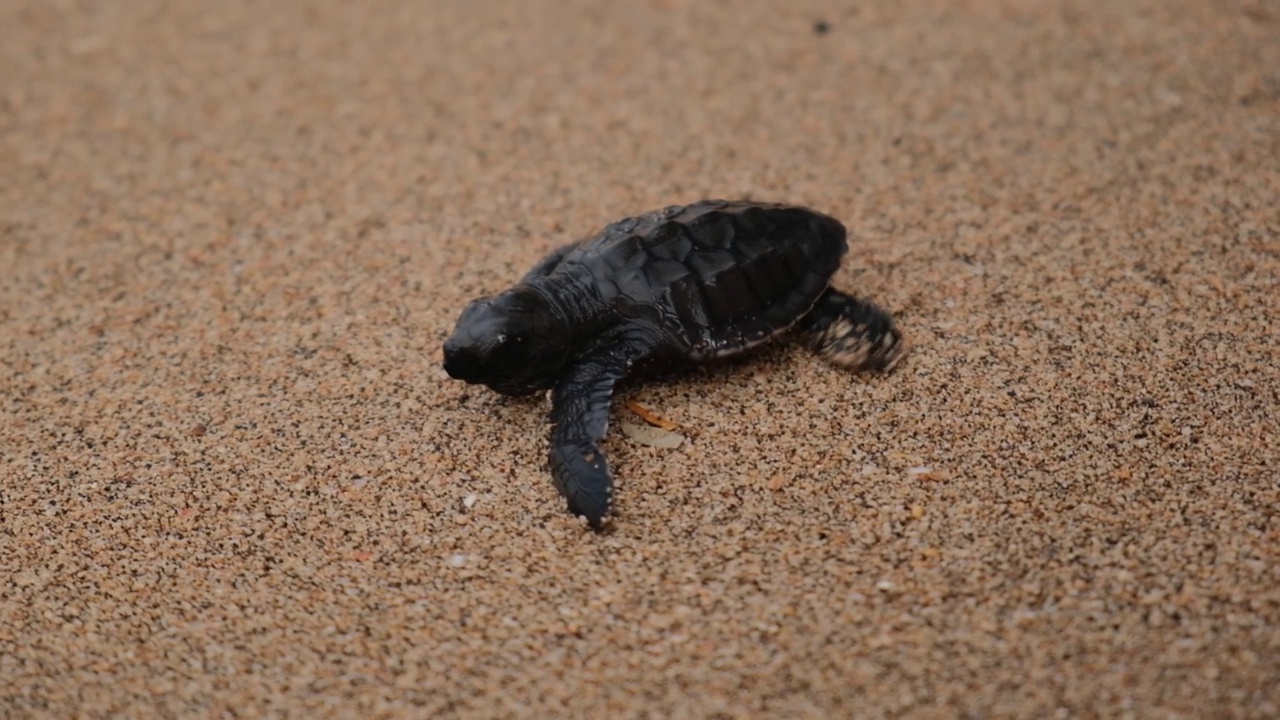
698, 376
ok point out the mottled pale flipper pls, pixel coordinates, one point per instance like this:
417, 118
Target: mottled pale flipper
580, 414
853, 333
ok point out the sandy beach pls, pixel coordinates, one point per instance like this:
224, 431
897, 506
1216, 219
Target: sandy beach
235, 480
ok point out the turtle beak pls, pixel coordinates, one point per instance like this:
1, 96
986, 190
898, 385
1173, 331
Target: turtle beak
461, 362
462, 351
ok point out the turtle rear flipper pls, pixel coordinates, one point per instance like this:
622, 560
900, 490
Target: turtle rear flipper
852, 333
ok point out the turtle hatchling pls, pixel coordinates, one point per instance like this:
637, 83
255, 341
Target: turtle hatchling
666, 289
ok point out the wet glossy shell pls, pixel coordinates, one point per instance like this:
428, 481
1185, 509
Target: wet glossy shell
718, 277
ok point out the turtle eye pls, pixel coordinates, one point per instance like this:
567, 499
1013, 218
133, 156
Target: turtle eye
510, 338
511, 345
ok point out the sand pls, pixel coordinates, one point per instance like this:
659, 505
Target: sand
237, 483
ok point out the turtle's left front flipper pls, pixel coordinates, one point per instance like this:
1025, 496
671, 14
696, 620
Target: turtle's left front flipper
580, 416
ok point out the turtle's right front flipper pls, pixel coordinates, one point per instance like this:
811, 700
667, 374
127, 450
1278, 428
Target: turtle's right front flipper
580, 417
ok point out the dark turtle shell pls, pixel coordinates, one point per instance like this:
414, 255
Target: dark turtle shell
717, 276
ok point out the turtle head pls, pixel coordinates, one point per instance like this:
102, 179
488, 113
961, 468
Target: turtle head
514, 342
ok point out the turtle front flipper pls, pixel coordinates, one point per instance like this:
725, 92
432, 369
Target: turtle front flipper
853, 333
580, 417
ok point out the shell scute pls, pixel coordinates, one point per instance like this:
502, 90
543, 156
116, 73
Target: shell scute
712, 231
718, 276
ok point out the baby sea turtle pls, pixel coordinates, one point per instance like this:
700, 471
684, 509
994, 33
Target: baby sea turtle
680, 285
